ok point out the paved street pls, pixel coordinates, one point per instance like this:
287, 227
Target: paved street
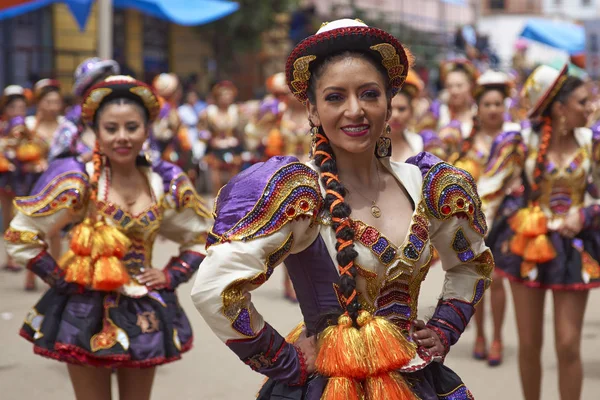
211, 371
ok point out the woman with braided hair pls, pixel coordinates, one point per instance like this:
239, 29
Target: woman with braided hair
107, 307
545, 232
356, 232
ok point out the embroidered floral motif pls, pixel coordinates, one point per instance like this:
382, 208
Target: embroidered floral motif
292, 192
64, 191
462, 246
25, 237
449, 191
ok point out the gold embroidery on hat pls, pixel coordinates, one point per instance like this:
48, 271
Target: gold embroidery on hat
149, 99
301, 76
92, 102
390, 60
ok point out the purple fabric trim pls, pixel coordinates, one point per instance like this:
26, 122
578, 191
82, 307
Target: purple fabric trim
269, 354
74, 114
425, 161
452, 317
430, 139
238, 197
44, 266
180, 269
56, 168
167, 171
313, 273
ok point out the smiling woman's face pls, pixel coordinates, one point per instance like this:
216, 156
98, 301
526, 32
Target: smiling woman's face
350, 104
121, 132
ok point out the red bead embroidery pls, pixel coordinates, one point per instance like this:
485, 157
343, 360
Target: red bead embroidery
446, 210
460, 203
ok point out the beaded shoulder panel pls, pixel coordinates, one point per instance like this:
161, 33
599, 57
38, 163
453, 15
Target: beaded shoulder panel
63, 185
245, 211
449, 191
508, 148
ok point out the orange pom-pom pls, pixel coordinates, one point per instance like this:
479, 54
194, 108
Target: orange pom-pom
341, 351
81, 238
536, 223
109, 274
390, 386
341, 388
539, 250
109, 242
518, 244
79, 270
516, 221
386, 347
29, 152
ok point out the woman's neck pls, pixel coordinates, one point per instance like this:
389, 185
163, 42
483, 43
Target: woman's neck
123, 173
43, 118
490, 129
358, 169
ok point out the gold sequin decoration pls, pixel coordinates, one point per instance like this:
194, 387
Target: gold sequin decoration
24, 237
149, 99
301, 76
372, 280
391, 61
92, 103
65, 191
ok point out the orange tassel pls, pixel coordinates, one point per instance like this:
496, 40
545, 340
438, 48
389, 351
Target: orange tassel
390, 386
293, 336
66, 259
109, 274
109, 241
81, 238
536, 223
539, 250
341, 353
341, 388
79, 270
516, 221
518, 244
386, 347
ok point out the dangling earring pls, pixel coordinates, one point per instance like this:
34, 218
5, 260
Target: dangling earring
314, 131
384, 144
562, 129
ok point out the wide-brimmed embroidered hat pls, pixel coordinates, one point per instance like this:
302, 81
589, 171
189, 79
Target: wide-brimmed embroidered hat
165, 85
115, 87
90, 70
346, 35
41, 86
413, 85
458, 64
541, 88
493, 80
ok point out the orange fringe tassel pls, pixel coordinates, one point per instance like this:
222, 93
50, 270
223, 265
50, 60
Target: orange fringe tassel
293, 336
342, 388
341, 353
386, 347
109, 274
390, 386
518, 244
81, 238
539, 250
80, 270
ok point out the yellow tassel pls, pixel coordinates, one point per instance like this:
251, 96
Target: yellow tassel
109, 274
66, 259
386, 347
390, 386
341, 388
539, 250
516, 221
109, 241
293, 336
518, 244
81, 238
79, 270
341, 351
536, 223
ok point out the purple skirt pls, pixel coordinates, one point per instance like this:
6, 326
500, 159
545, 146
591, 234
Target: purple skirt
434, 382
109, 330
574, 268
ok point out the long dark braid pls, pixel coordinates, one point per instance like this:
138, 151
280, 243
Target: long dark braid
341, 223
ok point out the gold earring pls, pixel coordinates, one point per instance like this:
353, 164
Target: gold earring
384, 144
314, 131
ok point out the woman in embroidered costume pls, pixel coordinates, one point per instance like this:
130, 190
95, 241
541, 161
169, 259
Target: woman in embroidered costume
225, 147
405, 142
453, 120
43, 125
21, 159
489, 132
545, 234
73, 137
107, 306
357, 290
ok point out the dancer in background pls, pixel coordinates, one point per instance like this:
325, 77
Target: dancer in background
108, 308
44, 124
545, 236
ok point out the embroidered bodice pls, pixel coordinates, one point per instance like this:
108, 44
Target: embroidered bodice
285, 222
61, 197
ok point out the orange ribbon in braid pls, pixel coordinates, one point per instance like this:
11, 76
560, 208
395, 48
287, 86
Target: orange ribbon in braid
97, 163
543, 149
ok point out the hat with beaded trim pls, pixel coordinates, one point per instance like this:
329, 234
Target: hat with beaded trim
15, 91
119, 86
541, 87
346, 35
44, 86
493, 80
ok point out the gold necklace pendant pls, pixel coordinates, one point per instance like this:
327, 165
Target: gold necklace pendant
375, 210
